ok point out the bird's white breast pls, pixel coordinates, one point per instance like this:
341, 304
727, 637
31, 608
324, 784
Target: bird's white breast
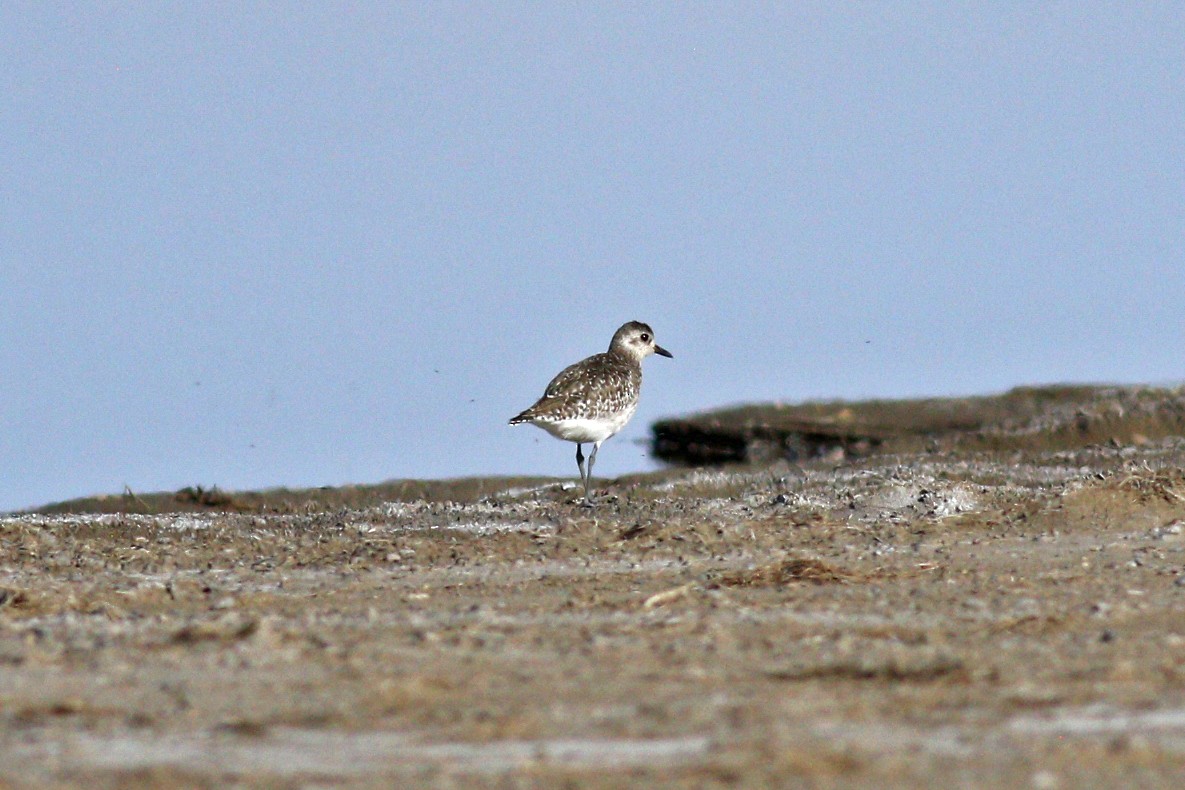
585, 429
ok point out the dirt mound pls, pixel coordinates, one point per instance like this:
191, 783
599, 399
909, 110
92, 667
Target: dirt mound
1029, 418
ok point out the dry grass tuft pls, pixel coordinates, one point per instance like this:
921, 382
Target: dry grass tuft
1148, 483
209, 498
790, 569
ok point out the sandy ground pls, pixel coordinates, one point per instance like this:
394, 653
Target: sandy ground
946, 619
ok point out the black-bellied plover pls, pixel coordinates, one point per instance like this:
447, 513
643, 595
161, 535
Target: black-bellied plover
594, 399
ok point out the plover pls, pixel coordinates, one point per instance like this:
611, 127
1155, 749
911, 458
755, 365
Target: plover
594, 399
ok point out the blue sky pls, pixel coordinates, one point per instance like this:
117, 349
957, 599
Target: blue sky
253, 245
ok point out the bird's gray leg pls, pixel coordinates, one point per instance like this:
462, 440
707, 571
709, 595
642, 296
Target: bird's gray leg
592, 459
580, 466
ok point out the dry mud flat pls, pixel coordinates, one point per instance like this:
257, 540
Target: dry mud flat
948, 617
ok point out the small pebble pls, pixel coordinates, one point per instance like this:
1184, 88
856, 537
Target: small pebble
1045, 780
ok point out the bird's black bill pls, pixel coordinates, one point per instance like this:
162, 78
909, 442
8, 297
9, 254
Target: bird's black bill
662, 352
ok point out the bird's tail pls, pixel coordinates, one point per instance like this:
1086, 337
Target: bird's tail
525, 416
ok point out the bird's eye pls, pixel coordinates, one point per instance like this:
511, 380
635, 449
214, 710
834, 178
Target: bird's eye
645, 338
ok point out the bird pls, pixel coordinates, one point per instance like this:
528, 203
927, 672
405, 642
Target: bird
592, 400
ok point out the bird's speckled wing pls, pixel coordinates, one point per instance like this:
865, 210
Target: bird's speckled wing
575, 377
597, 387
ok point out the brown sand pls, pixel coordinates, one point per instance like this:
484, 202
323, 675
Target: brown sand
958, 617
